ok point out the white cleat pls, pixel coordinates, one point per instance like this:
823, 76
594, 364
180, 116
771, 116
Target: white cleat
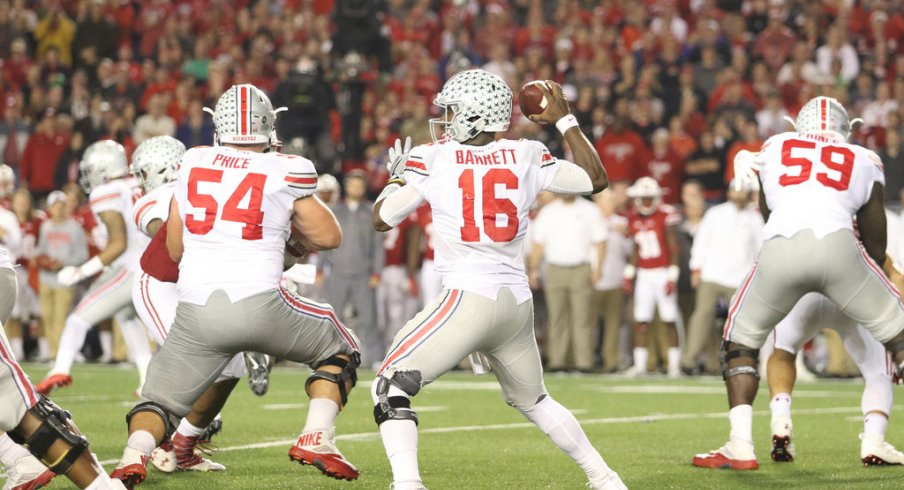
635, 372
27, 473
164, 458
202, 464
610, 481
875, 451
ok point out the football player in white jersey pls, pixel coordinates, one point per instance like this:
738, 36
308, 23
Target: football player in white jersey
229, 219
813, 184
156, 164
112, 192
481, 188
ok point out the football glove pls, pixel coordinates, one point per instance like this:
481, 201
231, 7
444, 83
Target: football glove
398, 156
72, 274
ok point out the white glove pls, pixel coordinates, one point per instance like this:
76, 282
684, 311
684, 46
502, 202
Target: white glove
398, 156
69, 275
745, 169
301, 273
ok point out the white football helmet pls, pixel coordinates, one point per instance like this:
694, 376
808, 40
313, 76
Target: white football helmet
156, 161
7, 180
646, 188
824, 116
244, 116
480, 102
102, 162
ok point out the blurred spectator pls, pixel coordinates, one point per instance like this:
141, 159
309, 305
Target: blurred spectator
776, 42
892, 156
875, 113
725, 247
623, 151
837, 50
27, 310
566, 233
771, 118
14, 134
55, 30
706, 166
354, 268
197, 128
750, 140
42, 153
309, 99
155, 123
61, 242
666, 167
609, 299
95, 35
67, 168
800, 68
358, 29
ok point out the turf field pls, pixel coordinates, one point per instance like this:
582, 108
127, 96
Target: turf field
647, 430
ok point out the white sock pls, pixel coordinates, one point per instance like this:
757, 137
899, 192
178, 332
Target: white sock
741, 420
43, 349
10, 452
322, 414
106, 344
136, 338
781, 405
102, 482
188, 430
674, 356
71, 341
141, 441
565, 432
17, 348
641, 354
400, 441
875, 423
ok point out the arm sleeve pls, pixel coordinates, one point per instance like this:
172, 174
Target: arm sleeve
301, 177
106, 198
149, 211
566, 178
401, 203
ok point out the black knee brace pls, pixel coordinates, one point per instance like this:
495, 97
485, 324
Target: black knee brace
349, 372
170, 420
56, 425
396, 407
731, 350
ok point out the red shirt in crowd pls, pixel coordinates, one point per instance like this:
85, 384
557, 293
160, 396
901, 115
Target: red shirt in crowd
649, 233
39, 160
395, 243
623, 154
668, 169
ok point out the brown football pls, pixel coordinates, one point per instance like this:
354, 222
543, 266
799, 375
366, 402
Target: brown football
531, 99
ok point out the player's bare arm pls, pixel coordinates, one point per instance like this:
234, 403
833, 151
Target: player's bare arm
116, 232
174, 232
872, 225
585, 155
317, 224
154, 226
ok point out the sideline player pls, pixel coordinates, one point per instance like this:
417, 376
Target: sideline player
105, 177
813, 184
155, 164
228, 225
654, 229
480, 189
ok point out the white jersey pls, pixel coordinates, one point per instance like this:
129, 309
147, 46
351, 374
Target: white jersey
480, 197
12, 237
236, 208
816, 184
153, 205
119, 196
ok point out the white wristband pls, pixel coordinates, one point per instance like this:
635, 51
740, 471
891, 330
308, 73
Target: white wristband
91, 267
566, 123
674, 272
389, 189
629, 272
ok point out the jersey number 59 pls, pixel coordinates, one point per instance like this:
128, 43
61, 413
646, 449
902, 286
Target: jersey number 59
837, 159
252, 216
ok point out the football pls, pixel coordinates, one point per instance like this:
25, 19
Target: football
531, 99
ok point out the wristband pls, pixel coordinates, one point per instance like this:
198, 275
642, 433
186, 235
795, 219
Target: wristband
674, 272
91, 267
630, 272
391, 187
566, 123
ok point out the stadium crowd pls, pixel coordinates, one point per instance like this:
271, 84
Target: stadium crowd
669, 89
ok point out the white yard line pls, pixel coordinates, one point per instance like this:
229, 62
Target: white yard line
367, 436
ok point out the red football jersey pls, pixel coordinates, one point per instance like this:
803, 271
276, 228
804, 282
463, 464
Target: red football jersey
394, 242
425, 221
648, 232
155, 260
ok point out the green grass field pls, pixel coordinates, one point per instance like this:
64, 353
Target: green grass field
647, 430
